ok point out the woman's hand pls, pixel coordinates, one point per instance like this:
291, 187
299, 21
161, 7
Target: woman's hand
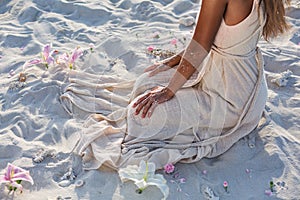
149, 101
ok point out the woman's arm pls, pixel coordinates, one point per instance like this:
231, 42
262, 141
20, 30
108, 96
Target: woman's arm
208, 24
165, 64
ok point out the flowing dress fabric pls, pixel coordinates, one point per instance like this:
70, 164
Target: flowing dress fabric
221, 103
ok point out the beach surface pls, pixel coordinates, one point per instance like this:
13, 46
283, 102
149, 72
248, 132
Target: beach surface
37, 134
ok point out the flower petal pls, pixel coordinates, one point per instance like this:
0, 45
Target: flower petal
130, 173
3, 179
91, 45
141, 184
63, 59
142, 167
9, 170
159, 181
24, 176
76, 54
50, 60
46, 51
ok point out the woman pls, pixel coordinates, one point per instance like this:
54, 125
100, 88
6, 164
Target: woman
196, 104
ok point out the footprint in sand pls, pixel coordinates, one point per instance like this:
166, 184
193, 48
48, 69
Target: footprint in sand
41, 155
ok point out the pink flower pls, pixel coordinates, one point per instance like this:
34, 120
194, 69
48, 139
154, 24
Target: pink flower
92, 47
174, 41
76, 53
69, 60
63, 59
13, 177
268, 192
225, 184
169, 168
150, 48
47, 55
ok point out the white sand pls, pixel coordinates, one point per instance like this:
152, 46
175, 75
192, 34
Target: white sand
32, 120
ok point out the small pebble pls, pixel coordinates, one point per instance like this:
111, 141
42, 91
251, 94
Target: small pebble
79, 183
12, 72
204, 172
187, 21
64, 183
251, 145
22, 77
38, 159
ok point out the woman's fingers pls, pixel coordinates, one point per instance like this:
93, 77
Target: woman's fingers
147, 106
149, 102
140, 100
151, 109
141, 106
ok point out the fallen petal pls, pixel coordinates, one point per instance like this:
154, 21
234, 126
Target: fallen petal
268, 192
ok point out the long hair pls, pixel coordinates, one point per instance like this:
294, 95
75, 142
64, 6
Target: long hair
276, 23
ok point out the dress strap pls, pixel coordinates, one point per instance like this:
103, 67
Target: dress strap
262, 21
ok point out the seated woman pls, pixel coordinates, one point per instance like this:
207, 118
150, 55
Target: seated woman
193, 105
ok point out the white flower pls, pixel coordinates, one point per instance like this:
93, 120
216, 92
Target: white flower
143, 176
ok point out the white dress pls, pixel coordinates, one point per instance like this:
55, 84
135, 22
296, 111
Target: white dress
221, 103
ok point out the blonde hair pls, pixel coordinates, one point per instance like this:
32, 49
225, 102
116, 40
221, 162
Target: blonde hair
276, 23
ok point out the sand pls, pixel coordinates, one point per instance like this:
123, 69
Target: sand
36, 133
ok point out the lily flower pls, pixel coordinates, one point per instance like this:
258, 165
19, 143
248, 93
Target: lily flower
63, 59
77, 52
69, 60
143, 176
47, 57
13, 177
